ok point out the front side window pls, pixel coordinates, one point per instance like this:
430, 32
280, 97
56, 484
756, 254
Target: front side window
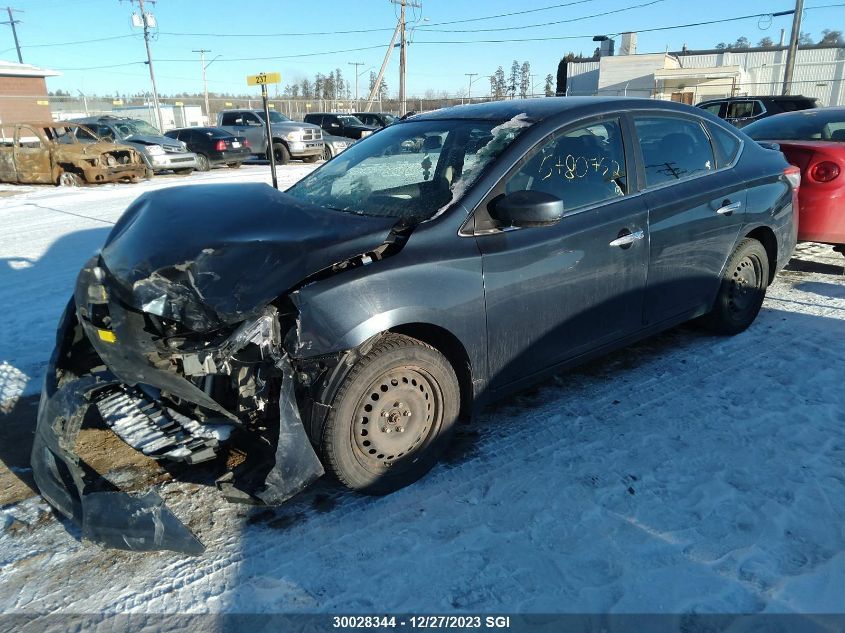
28, 138
673, 149
713, 108
409, 171
275, 117
581, 166
250, 119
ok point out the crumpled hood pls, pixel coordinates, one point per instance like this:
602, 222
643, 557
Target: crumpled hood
149, 139
208, 255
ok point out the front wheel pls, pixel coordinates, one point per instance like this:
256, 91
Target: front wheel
741, 291
280, 153
391, 417
70, 179
327, 153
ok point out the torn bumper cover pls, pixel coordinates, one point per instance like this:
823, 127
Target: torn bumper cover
120, 377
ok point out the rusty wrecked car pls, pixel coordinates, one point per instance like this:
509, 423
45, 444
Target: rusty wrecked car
66, 154
347, 323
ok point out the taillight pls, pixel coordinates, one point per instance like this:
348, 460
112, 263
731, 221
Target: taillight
824, 171
220, 146
245, 143
793, 175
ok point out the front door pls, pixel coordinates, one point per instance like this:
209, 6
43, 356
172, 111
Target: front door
553, 293
695, 213
32, 158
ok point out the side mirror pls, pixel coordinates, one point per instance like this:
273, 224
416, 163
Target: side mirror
526, 208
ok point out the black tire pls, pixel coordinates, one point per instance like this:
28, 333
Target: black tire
202, 163
311, 159
233, 165
327, 153
742, 290
183, 172
281, 153
392, 416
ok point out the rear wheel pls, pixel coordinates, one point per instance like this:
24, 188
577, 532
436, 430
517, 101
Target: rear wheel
742, 290
327, 153
392, 416
202, 163
233, 165
281, 154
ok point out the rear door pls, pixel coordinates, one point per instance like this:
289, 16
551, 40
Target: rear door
696, 209
555, 292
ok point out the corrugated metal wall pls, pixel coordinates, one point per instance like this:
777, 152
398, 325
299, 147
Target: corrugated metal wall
819, 72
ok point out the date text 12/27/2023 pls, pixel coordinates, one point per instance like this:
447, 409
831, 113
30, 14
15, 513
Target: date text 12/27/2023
421, 622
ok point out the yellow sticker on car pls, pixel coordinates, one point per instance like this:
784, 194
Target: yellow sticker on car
107, 336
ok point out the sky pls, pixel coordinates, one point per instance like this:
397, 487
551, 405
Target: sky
56, 34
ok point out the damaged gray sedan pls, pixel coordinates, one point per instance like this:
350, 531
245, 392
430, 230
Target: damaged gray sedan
346, 324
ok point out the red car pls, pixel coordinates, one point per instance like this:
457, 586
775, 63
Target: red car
814, 141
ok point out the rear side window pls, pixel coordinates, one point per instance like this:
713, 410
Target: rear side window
725, 144
581, 166
229, 118
673, 149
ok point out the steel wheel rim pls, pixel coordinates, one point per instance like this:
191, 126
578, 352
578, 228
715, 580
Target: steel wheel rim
202, 161
398, 414
745, 285
67, 179
327, 153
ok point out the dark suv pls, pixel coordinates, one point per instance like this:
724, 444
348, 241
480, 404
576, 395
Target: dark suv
376, 119
340, 124
741, 111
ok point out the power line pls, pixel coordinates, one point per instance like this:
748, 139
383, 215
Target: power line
507, 15
100, 39
533, 26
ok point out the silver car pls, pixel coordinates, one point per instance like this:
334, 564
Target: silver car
160, 152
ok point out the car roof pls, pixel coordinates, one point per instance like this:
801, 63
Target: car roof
546, 107
763, 98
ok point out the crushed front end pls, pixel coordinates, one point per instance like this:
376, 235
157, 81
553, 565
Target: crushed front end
175, 382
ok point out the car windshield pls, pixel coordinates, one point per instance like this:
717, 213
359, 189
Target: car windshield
275, 117
410, 171
348, 119
135, 127
807, 125
390, 119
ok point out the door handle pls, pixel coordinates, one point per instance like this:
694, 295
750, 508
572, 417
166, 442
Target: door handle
727, 209
628, 238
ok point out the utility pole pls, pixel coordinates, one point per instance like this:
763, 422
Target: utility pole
375, 91
12, 21
403, 44
202, 52
793, 45
146, 18
356, 64
469, 88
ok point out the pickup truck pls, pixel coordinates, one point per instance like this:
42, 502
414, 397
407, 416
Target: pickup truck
64, 154
291, 139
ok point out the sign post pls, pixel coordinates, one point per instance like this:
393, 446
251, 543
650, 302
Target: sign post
262, 79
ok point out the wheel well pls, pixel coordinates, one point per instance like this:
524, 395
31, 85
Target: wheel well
766, 237
447, 344
278, 140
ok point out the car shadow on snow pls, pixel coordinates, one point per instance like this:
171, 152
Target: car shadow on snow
46, 282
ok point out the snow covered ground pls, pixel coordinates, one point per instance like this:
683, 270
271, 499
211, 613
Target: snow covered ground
689, 473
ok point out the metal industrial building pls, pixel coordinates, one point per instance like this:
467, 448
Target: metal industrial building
693, 76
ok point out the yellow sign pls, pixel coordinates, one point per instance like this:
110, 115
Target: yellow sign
228, 104
42, 102
271, 105
178, 103
263, 78
117, 102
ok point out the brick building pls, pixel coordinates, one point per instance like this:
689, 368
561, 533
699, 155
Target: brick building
23, 92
